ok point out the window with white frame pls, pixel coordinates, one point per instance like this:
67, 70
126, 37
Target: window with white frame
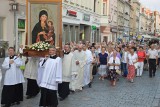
104, 8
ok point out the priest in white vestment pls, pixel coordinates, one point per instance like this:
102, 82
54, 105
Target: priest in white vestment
31, 74
52, 75
13, 88
78, 64
87, 80
63, 88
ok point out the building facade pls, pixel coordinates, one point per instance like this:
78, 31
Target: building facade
105, 28
127, 10
131, 20
120, 18
157, 23
146, 22
136, 15
113, 19
81, 20
12, 23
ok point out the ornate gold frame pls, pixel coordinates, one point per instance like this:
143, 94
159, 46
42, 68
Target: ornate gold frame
59, 35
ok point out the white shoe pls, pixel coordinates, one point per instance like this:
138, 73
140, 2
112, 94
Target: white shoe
132, 80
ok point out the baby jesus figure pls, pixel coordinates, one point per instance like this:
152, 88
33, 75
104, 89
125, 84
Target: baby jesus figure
51, 34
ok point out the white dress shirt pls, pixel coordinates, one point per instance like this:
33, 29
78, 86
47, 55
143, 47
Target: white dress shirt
153, 54
117, 61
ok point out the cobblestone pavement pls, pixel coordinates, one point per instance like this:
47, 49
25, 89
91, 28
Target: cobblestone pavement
144, 92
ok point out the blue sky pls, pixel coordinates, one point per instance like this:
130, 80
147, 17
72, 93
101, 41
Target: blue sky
152, 4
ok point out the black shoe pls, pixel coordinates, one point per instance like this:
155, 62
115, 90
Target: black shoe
72, 91
18, 103
150, 76
7, 105
90, 85
28, 97
153, 75
61, 99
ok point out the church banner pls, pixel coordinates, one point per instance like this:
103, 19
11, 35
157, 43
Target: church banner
44, 22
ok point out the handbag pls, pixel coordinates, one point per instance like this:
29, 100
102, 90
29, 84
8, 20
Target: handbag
118, 72
94, 70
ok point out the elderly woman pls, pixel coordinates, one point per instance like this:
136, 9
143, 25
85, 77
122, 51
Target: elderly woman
132, 61
114, 63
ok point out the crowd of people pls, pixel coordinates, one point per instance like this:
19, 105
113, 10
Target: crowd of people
54, 75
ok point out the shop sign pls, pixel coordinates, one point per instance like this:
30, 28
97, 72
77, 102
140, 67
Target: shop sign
86, 17
72, 13
94, 27
21, 23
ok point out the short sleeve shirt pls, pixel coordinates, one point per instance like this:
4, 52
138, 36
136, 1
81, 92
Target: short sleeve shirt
103, 58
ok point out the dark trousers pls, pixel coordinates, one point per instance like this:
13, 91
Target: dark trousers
124, 68
63, 89
32, 88
48, 98
12, 94
152, 67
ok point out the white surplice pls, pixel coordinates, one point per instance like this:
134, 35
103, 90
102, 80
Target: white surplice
40, 71
66, 71
87, 67
52, 74
13, 73
78, 70
31, 68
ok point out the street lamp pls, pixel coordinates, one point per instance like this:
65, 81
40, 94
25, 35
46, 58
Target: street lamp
14, 9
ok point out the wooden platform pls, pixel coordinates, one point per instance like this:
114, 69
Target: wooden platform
34, 53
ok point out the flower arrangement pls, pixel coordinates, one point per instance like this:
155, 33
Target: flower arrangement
40, 46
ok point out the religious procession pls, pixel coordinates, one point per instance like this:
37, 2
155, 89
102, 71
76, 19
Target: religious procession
79, 53
55, 77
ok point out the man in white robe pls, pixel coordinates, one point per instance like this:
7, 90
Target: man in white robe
52, 75
31, 74
87, 68
63, 88
13, 88
78, 63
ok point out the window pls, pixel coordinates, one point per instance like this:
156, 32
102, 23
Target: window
1, 28
104, 9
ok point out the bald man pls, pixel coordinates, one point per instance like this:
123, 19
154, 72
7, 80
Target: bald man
78, 64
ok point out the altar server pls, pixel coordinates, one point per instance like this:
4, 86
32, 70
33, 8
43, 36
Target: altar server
63, 88
52, 75
12, 91
31, 74
78, 64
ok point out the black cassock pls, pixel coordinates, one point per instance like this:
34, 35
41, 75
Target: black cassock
32, 88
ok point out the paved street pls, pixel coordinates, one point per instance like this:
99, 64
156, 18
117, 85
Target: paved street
144, 92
